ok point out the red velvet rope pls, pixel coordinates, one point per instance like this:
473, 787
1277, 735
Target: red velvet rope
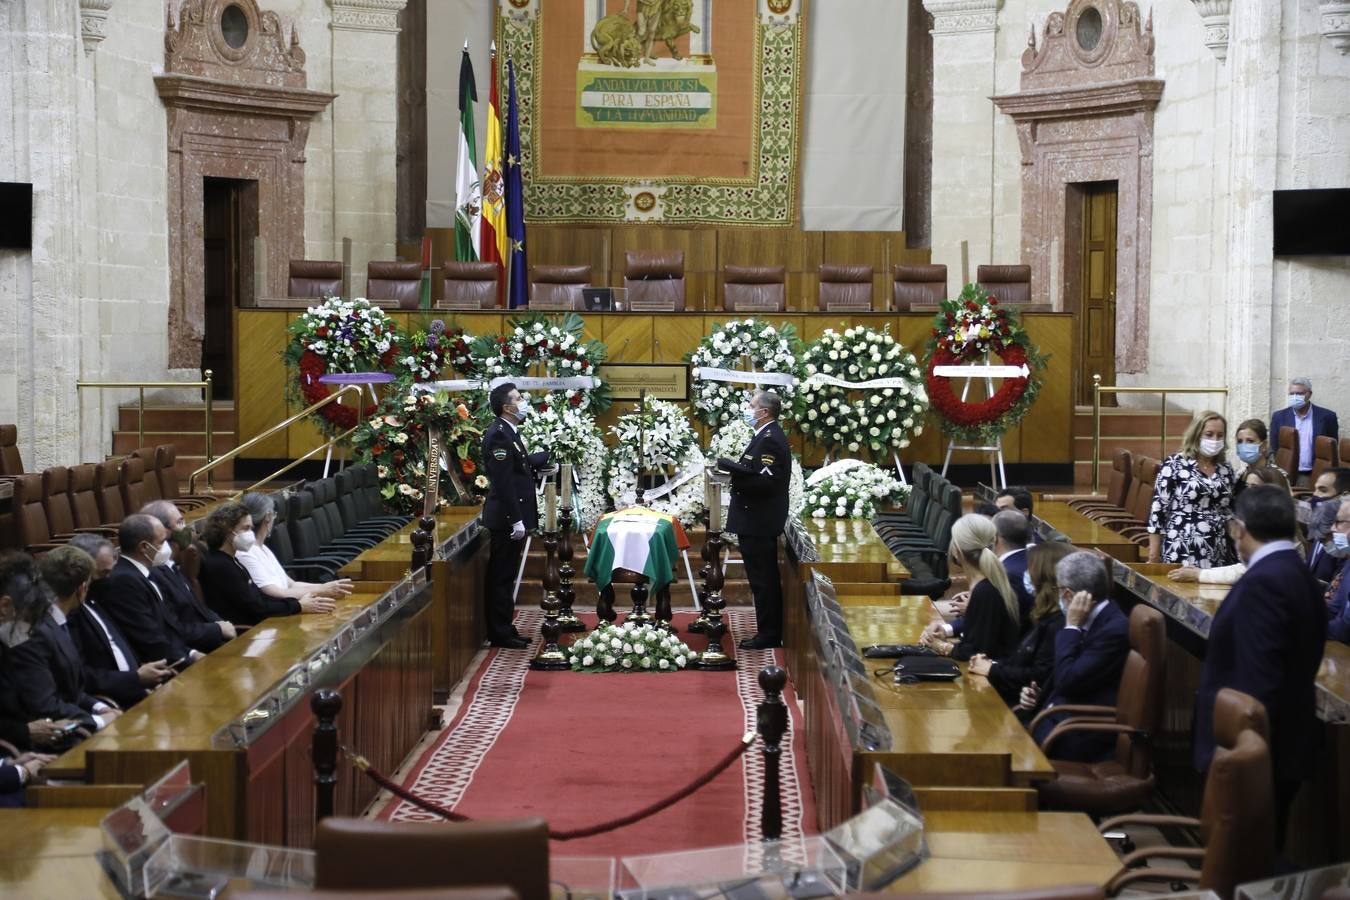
649, 810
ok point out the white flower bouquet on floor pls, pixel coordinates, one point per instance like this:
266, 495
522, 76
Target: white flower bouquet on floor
852, 492
629, 648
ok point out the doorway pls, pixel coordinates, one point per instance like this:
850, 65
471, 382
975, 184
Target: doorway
1090, 283
229, 225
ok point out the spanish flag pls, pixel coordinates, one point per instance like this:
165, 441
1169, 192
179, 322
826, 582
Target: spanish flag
492, 242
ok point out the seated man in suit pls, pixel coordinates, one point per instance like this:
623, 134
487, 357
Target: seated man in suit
1020, 499
1267, 639
135, 603
193, 621
48, 669
1090, 653
111, 668
1311, 422
1322, 561
1338, 594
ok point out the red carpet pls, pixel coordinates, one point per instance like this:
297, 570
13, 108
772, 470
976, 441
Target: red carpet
578, 749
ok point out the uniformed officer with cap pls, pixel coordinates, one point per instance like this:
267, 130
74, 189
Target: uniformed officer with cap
509, 512
759, 508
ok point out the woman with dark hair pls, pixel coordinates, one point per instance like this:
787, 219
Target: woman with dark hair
1251, 445
225, 582
1034, 658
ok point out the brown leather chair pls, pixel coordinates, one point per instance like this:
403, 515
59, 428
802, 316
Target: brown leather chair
83, 499
57, 503
1237, 813
400, 282
1138, 501
494, 892
108, 491
10, 461
469, 285
30, 518
1125, 781
754, 288
1006, 284
654, 280
924, 285
166, 469
1065, 892
451, 854
1117, 486
1342, 452
558, 287
1286, 449
844, 288
1324, 455
315, 278
131, 484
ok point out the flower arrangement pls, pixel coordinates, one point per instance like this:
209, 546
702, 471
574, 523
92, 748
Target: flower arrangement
533, 344
571, 436
972, 329
879, 419
668, 445
395, 439
337, 336
768, 349
629, 648
730, 442
423, 354
852, 491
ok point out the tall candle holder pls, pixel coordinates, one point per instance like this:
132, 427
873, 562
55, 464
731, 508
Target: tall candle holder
550, 656
700, 625
713, 658
567, 620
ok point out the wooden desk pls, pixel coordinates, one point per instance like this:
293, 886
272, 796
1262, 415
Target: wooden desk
849, 550
51, 853
1009, 851
1319, 828
1083, 532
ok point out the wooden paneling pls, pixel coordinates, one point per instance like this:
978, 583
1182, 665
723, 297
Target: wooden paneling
563, 245
629, 338
260, 380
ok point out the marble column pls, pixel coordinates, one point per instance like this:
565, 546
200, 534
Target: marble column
964, 53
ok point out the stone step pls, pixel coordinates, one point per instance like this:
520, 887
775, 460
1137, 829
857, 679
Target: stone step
188, 444
1130, 423
177, 417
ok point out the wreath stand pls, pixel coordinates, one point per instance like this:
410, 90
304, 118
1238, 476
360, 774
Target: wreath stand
971, 371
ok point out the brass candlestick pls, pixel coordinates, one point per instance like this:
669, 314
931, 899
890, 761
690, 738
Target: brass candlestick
713, 658
567, 620
550, 656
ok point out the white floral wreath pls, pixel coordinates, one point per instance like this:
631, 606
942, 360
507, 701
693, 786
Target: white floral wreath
533, 341
768, 349
572, 437
849, 489
730, 442
880, 420
668, 444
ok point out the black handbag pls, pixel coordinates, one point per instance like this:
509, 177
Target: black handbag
909, 669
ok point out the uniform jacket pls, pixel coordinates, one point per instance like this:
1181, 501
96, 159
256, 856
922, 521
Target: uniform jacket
759, 484
510, 468
1324, 425
132, 601
1266, 640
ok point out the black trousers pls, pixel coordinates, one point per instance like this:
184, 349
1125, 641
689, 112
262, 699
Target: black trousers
503, 563
760, 555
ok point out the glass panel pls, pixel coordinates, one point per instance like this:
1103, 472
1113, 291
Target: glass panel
204, 867
234, 26
1089, 29
802, 869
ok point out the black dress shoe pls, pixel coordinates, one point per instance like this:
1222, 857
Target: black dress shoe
759, 642
511, 643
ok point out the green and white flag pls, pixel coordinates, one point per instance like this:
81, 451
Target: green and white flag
468, 189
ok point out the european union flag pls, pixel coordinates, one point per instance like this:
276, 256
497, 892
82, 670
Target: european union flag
517, 292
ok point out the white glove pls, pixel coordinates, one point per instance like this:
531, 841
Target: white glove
518, 531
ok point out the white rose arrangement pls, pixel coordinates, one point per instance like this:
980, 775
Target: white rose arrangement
535, 345
852, 493
768, 348
670, 446
571, 436
629, 648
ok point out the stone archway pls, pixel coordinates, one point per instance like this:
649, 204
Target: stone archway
1085, 113
234, 90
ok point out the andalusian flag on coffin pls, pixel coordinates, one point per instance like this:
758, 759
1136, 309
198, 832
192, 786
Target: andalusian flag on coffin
637, 539
468, 193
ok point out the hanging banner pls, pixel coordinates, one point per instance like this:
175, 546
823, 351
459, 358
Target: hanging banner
676, 111
740, 376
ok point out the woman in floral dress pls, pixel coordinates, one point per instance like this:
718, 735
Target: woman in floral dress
1193, 499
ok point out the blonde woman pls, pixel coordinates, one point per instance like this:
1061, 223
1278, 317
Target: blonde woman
1193, 499
992, 619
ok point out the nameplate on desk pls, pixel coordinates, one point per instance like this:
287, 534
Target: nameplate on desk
661, 381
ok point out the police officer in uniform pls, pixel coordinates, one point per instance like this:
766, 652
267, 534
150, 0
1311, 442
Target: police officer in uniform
509, 512
759, 507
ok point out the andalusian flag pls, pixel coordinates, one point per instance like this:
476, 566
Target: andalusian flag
468, 199
492, 244
638, 539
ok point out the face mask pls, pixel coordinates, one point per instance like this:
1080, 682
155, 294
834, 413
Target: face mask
1027, 585
1063, 606
749, 416
1211, 447
522, 409
1297, 401
1340, 542
163, 554
182, 537
1249, 453
243, 541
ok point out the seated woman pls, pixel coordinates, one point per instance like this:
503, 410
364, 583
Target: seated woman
1230, 574
1034, 658
992, 618
225, 582
264, 567
1193, 499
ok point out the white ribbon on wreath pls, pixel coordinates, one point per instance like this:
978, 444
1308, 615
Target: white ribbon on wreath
876, 384
738, 376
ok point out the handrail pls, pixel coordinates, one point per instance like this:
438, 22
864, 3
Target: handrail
295, 462
204, 384
1098, 389
285, 423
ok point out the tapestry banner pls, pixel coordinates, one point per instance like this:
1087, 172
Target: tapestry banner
676, 112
